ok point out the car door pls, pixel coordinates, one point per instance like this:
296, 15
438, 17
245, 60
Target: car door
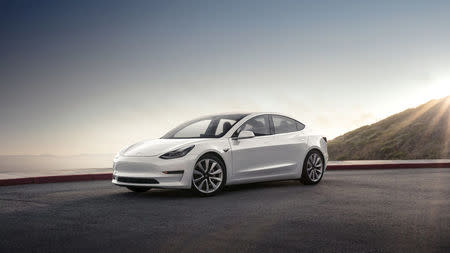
258, 158
289, 138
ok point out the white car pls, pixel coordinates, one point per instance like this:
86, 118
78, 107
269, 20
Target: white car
207, 153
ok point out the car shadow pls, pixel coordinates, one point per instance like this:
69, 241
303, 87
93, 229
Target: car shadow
231, 189
264, 185
160, 193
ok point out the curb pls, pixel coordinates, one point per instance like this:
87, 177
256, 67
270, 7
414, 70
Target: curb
108, 176
387, 166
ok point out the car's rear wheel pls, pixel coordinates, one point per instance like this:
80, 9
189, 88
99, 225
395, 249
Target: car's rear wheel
209, 176
138, 188
313, 168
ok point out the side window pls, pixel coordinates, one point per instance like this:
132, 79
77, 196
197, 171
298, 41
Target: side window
300, 126
259, 125
223, 126
284, 124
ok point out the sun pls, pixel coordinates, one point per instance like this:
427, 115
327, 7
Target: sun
440, 88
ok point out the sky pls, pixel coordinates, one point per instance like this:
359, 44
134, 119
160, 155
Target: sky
89, 77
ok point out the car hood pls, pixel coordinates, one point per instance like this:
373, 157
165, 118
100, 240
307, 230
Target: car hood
156, 147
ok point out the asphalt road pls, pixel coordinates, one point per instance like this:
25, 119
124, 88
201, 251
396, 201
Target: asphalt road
357, 211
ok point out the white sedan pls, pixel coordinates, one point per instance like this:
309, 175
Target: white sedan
207, 153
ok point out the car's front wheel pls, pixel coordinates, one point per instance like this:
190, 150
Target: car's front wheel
138, 189
313, 168
209, 176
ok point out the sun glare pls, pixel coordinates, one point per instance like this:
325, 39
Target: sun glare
435, 89
441, 87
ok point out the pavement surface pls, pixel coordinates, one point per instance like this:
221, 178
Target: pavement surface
349, 211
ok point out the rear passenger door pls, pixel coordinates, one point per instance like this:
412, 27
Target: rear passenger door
289, 138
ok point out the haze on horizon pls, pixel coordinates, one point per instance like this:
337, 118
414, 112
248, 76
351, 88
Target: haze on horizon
93, 76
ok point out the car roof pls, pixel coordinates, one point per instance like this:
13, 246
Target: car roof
274, 113
248, 115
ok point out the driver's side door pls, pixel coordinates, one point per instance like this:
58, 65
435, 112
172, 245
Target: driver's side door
255, 159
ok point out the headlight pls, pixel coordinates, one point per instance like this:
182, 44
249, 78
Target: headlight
177, 153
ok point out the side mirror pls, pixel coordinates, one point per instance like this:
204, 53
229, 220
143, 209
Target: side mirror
246, 135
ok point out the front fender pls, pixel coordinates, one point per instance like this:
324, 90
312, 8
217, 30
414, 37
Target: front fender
221, 148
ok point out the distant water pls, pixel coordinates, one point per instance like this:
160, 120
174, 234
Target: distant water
35, 163
17, 166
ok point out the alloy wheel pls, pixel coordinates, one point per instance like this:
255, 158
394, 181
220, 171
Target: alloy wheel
314, 167
208, 176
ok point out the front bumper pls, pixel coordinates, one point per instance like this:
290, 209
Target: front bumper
154, 171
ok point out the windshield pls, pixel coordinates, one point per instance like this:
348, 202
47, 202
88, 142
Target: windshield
206, 127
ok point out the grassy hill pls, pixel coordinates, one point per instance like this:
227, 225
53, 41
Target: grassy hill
417, 133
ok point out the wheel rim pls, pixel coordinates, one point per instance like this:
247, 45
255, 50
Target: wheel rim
208, 176
314, 167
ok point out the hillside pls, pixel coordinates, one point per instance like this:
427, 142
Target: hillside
417, 133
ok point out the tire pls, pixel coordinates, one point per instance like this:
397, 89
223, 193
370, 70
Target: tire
313, 168
209, 176
138, 188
